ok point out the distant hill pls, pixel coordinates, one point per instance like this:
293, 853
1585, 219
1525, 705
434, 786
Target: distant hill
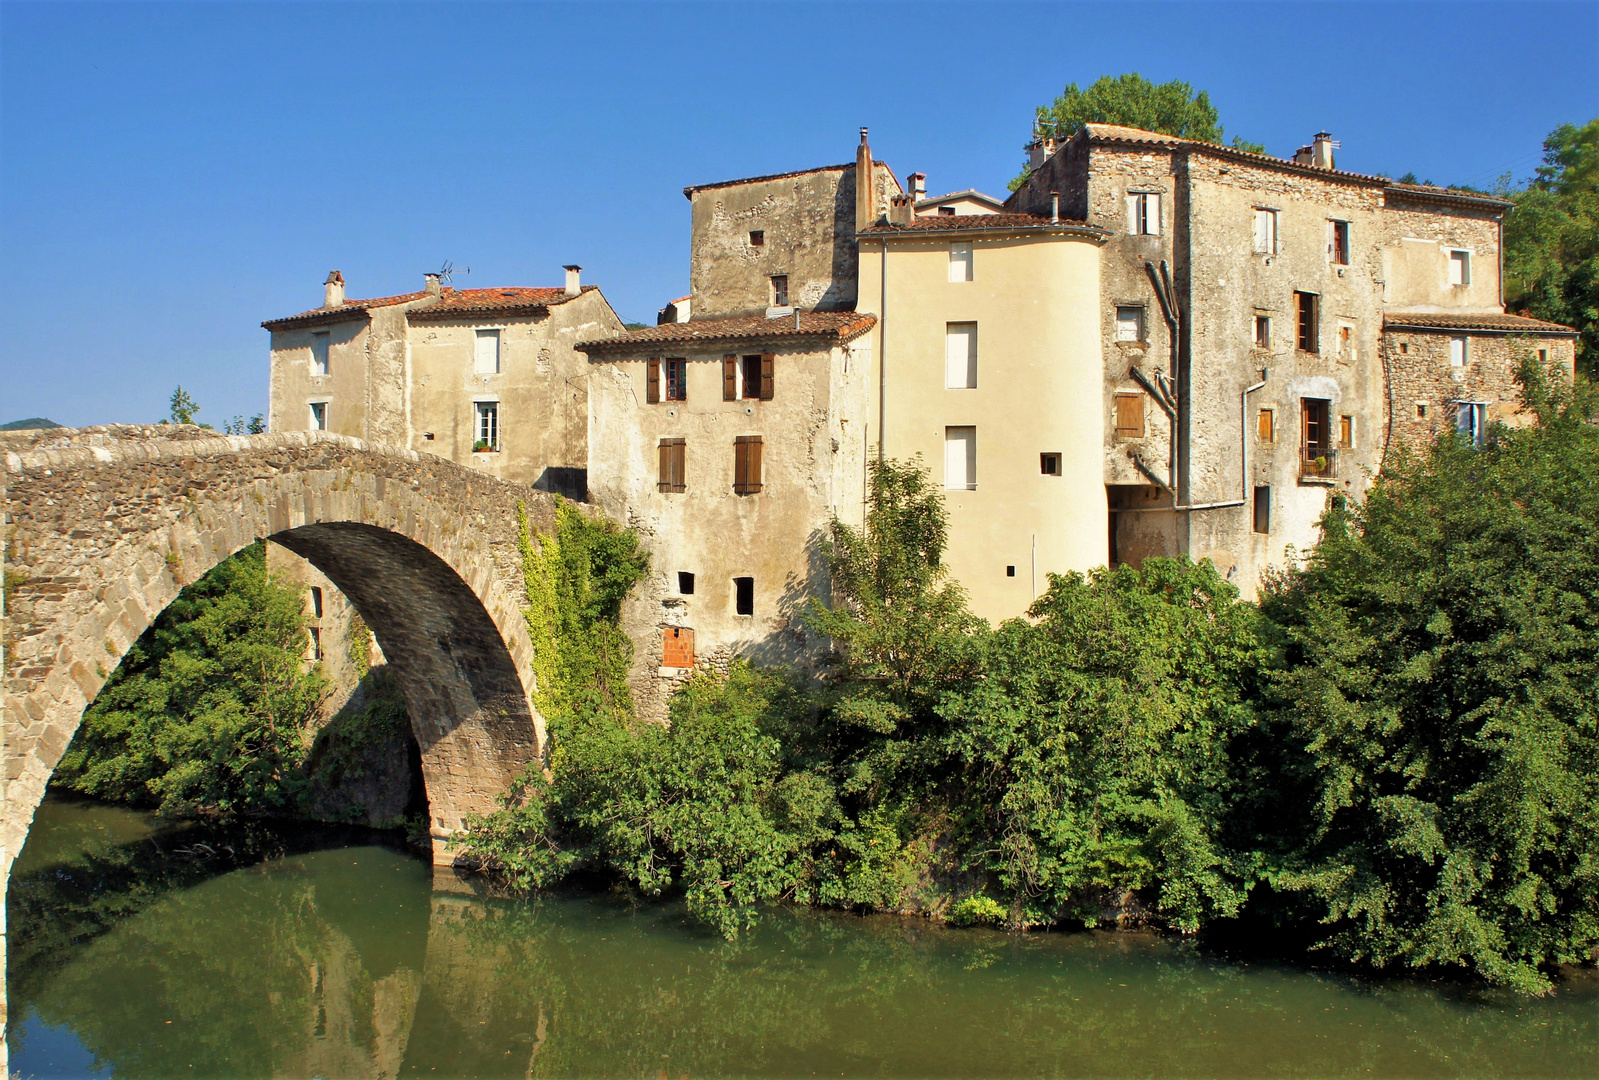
33, 423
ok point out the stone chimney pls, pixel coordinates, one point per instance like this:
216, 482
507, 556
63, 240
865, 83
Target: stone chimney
333, 290
1302, 156
918, 186
1321, 153
432, 284
573, 279
865, 190
901, 209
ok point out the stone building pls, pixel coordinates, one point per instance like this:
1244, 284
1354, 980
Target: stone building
1269, 326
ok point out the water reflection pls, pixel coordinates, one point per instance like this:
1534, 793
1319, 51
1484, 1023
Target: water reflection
301, 959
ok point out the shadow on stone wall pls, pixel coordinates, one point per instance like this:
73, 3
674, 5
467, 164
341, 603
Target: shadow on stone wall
365, 766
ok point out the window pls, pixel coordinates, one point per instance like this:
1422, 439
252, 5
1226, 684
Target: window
960, 355
487, 426
486, 360
1346, 432
1316, 456
319, 353
1460, 268
316, 602
1266, 426
1129, 416
685, 583
960, 458
1129, 324
1543, 357
1143, 213
1346, 343
674, 455
676, 379
1338, 242
1457, 352
1049, 464
1262, 331
780, 290
1263, 509
746, 464
757, 238
1421, 410
1265, 231
757, 376
946, 211
1308, 306
316, 642
960, 262
677, 647
1471, 420
1010, 571
319, 416
743, 596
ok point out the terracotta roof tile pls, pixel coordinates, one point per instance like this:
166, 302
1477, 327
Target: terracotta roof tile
689, 191
974, 222
1431, 191
351, 309
464, 303
1494, 322
837, 325
1115, 133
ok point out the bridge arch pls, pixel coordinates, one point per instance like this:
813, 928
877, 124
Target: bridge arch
104, 527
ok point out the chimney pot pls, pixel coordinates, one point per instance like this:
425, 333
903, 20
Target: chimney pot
573, 279
333, 290
918, 185
865, 188
1321, 154
432, 284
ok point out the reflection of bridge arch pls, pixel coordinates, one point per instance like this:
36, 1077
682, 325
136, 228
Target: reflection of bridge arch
106, 525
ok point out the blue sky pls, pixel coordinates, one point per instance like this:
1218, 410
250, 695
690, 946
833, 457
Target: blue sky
170, 175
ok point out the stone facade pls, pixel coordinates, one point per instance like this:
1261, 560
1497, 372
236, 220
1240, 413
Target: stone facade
106, 525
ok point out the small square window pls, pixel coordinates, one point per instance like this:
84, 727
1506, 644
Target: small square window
319, 416
1262, 331
685, 583
1010, 571
946, 211
757, 238
1129, 324
1421, 410
780, 290
743, 596
1049, 464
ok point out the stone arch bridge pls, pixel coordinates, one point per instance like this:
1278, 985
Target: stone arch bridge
104, 526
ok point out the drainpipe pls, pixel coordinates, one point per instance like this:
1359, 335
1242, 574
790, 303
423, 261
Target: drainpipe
882, 352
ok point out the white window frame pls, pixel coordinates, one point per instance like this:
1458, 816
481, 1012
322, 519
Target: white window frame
960, 356
317, 410
1266, 234
1459, 352
1460, 257
485, 407
960, 262
1143, 213
960, 458
321, 345
479, 336
1475, 420
1137, 322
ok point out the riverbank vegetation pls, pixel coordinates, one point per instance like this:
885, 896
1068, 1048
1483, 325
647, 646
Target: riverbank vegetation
1396, 747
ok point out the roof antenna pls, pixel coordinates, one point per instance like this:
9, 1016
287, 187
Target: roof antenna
447, 271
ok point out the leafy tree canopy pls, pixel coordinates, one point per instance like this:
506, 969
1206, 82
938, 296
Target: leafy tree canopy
1171, 108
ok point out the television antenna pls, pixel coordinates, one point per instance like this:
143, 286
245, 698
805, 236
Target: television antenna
447, 272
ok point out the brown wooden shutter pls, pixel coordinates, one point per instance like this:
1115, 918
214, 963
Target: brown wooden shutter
746, 464
729, 378
741, 459
652, 380
665, 483
768, 362
752, 475
1130, 416
673, 455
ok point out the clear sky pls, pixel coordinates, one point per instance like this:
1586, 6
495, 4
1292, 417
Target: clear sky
175, 173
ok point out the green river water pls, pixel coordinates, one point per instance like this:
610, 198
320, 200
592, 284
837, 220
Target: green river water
140, 949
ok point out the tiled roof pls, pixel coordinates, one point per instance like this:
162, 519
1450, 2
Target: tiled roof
1493, 322
349, 310
974, 222
1119, 133
1430, 191
453, 304
688, 192
969, 193
1115, 133
838, 325
465, 303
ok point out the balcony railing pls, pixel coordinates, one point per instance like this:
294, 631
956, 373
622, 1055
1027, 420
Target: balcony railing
1318, 462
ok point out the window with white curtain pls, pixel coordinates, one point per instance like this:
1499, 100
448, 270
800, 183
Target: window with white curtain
1143, 213
486, 361
960, 355
960, 458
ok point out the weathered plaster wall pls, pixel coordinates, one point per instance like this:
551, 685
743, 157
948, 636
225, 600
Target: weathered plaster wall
1039, 386
293, 385
809, 224
812, 467
1416, 239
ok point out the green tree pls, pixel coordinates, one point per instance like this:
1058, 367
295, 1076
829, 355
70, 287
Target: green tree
183, 407
1439, 705
208, 711
1552, 239
1171, 108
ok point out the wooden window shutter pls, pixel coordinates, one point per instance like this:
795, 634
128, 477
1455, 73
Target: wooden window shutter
746, 464
752, 479
729, 378
741, 459
673, 455
1130, 416
768, 364
652, 380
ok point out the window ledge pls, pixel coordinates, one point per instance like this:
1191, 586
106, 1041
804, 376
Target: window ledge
1318, 481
